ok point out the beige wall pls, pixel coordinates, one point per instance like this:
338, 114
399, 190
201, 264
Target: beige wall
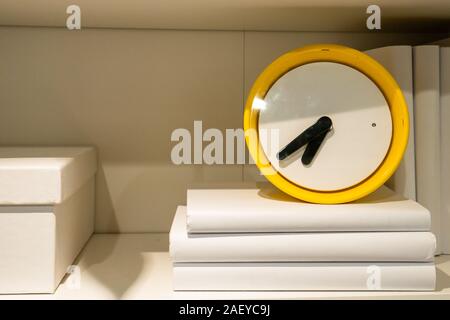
124, 91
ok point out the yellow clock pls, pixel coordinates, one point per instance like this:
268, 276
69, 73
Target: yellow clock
326, 124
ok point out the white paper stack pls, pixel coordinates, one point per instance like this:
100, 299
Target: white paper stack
427, 125
422, 73
260, 239
445, 148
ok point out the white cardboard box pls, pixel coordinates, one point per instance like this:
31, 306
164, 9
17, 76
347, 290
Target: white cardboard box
46, 214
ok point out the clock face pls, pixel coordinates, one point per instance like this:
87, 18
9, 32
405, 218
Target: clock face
332, 121
326, 124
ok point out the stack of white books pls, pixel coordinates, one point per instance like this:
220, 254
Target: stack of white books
257, 238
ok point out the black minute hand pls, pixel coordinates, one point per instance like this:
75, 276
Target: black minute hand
322, 126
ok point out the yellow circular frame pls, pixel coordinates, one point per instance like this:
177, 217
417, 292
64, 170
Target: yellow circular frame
352, 58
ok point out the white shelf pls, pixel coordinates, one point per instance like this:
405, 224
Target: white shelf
280, 15
137, 266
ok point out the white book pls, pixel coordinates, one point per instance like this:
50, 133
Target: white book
427, 131
399, 62
304, 276
445, 149
290, 247
263, 208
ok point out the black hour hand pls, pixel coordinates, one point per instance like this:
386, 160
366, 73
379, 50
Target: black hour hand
312, 147
321, 127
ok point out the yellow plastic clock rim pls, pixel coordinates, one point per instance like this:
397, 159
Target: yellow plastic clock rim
352, 58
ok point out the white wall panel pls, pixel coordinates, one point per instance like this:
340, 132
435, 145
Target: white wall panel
124, 91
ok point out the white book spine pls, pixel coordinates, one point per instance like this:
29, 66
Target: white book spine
427, 131
445, 149
304, 276
277, 247
265, 209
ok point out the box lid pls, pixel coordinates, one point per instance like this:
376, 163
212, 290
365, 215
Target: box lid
48, 175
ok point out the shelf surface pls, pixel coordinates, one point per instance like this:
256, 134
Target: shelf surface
137, 266
276, 15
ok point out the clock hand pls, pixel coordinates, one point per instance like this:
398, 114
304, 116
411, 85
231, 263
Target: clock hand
322, 125
312, 147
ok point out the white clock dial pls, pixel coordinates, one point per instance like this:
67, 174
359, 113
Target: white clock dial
362, 125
